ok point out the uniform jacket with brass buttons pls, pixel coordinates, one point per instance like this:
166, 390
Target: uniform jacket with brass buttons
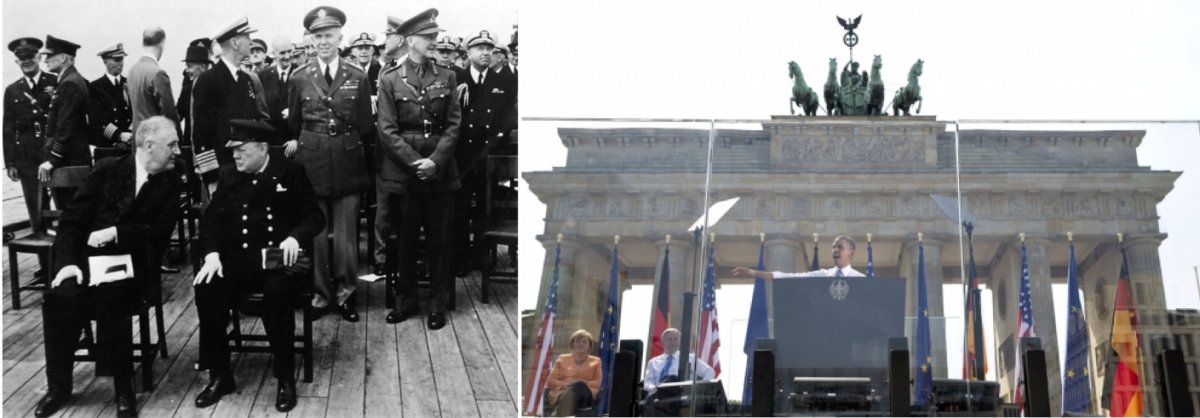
485, 114
217, 98
25, 116
109, 114
419, 117
251, 211
67, 133
109, 197
330, 121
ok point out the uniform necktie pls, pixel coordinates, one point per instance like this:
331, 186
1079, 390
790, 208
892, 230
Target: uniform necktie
30, 82
480, 82
666, 370
328, 78
839, 272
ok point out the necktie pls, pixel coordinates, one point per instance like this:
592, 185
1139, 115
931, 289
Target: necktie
666, 370
480, 78
839, 272
328, 78
31, 83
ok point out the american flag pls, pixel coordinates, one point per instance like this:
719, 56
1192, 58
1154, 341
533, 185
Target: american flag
710, 336
1025, 327
545, 345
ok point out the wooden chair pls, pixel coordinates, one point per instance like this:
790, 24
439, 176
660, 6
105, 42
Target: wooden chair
500, 219
253, 304
64, 177
145, 349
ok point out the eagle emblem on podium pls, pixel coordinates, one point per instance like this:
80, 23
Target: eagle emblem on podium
839, 289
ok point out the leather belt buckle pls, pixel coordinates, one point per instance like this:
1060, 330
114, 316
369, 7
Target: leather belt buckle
331, 129
428, 127
37, 129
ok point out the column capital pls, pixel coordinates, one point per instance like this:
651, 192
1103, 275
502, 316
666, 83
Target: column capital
778, 240
929, 239
677, 240
570, 247
1144, 239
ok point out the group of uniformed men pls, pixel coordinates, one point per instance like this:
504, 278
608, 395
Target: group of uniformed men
285, 148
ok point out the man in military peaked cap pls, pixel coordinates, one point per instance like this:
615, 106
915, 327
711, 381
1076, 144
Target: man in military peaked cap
67, 129
110, 115
364, 54
329, 117
224, 92
419, 120
260, 203
26, 106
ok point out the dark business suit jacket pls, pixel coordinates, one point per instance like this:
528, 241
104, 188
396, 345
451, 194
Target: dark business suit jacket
107, 199
277, 100
109, 114
25, 112
218, 98
67, 132
251, 211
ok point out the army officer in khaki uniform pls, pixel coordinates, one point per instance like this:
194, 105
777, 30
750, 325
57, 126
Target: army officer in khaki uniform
330, 112
418, 122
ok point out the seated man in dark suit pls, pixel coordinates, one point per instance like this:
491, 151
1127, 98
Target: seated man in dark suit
260, 203
126, 205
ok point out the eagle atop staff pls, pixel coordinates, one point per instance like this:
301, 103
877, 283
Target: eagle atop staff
850, 26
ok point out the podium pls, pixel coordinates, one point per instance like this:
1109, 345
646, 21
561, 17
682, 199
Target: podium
831, 342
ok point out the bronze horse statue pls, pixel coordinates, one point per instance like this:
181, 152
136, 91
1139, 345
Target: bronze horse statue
833, 100
802, 94
910, 93
875, 89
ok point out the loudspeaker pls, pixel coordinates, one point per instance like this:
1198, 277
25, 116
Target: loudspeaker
898, 379
636, 347
1173, 384
623, 382
1033, 370
764, 383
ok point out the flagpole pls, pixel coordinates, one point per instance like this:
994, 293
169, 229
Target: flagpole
685, 343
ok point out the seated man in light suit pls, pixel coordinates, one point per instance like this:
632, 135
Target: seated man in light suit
664, 367
843, 254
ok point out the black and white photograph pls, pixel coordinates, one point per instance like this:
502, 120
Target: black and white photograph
251, 208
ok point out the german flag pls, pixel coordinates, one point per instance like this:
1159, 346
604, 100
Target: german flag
662, 307
1123, 377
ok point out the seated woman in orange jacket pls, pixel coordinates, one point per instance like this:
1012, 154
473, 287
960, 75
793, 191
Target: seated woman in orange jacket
574, 380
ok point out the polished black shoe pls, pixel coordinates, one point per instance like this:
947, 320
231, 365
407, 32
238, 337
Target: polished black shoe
126, 404
39, 275
437, 320
349, 312
378, 270
217, 387
53, 401
285, 396
397, 316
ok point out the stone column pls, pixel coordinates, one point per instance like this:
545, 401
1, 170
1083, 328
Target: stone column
933, 285
566, 275
1145, 273
1099, 284
1004, 283
782, 254
1038, 247
681, 252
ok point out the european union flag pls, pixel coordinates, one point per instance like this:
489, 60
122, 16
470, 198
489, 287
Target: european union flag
1077, 381
755, 329
923, 379
608, 337
870, 260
